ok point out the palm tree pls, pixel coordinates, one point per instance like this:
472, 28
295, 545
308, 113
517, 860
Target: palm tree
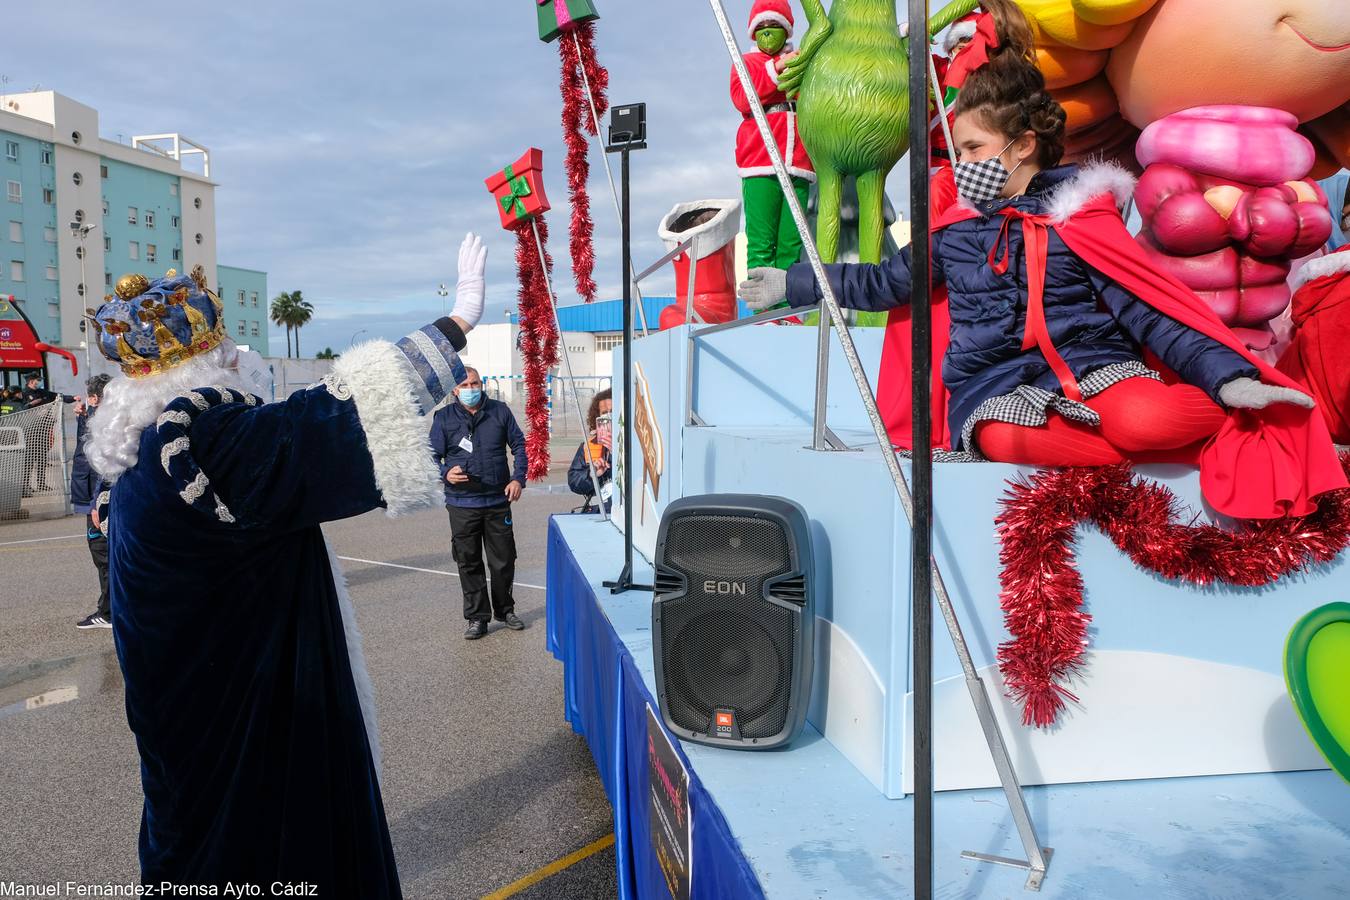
301, 312
282, 311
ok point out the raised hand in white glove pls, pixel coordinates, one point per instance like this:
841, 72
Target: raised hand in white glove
469, 289
763, 287
1248, 393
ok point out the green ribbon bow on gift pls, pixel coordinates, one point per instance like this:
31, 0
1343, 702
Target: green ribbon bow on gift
518, 190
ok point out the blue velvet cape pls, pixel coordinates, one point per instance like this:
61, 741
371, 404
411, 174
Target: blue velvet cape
255, 759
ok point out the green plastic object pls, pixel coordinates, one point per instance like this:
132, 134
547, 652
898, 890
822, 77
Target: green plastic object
554, 20
853, 108
1317, 674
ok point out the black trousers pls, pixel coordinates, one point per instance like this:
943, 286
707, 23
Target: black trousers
98, 549
474, 531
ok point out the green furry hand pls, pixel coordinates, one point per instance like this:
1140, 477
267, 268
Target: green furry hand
790, 81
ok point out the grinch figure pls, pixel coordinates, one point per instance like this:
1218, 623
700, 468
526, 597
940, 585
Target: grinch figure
771, 236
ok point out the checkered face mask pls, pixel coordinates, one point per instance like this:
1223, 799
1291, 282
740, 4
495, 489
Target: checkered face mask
980, 182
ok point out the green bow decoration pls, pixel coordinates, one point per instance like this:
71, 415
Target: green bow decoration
519, 189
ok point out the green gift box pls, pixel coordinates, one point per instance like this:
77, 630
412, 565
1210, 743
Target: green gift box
557, 16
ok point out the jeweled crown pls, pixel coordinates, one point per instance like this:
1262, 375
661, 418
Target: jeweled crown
152, 326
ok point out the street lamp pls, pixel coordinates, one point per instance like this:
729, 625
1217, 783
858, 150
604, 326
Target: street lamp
355, 336
443, 292
80, 231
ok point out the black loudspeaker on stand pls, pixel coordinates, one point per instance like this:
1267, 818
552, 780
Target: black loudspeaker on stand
733, 619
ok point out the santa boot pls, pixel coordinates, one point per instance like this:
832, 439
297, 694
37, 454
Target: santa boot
713, 225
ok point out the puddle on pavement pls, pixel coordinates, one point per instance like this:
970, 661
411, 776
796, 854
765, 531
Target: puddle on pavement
51, 682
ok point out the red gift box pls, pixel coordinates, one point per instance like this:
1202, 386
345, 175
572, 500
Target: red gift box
519, 189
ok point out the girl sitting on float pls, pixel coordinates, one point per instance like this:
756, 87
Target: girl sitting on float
1067, 347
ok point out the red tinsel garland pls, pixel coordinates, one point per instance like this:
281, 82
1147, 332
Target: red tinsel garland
578, 56
538, 340
1042, 592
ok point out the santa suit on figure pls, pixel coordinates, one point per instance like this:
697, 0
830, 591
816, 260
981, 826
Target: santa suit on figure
772, 238
1317, 356
245, 684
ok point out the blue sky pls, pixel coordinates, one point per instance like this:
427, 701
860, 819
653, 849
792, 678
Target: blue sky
350, 141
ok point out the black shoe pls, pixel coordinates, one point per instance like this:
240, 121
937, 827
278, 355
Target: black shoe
475, 631
93, 620
512, 621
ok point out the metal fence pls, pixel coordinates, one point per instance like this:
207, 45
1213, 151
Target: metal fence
564, 423
36, 449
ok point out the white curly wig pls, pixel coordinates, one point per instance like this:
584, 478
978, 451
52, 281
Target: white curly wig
129, 405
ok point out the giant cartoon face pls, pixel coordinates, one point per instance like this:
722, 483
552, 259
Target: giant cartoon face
1121, 63
1292, 55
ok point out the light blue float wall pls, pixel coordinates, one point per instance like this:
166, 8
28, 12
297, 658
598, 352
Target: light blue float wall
755, 388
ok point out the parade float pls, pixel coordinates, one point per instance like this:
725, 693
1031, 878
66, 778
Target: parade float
1134, 694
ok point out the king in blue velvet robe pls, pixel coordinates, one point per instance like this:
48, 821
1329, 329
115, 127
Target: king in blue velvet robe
245, 684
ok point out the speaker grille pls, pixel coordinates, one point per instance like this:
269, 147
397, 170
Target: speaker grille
720, 649
726, 546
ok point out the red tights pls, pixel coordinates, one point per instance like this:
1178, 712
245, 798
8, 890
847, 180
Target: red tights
1142, 421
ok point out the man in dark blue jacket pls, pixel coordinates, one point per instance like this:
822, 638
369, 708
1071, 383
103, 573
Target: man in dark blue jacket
469, 439
85, 485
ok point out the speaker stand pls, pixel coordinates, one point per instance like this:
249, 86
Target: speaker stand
625, 580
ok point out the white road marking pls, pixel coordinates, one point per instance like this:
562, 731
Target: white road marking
376, 562
44, 540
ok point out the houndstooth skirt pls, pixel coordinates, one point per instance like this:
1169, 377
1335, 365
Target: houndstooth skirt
1030, 406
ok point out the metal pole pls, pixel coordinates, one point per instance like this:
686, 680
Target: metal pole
613, 192
921, 468
818, 441
942, 112
979, 696
61, 444
84, 281
625, 213
567, 363
625, 580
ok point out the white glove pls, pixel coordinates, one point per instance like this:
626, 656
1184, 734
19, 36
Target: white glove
904, 28
1248, 393
764, 287
469, 289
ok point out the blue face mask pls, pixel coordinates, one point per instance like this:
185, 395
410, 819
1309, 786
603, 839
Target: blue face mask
470, 397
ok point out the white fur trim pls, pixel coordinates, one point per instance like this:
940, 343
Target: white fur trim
365, 690
960, 31
1092, 180
769, 17
383, 385
709, 237
772, 69
1331, 264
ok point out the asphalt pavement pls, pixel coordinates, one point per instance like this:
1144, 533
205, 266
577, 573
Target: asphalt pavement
486, 787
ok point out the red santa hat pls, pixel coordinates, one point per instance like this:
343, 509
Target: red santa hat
771, 12
963, 29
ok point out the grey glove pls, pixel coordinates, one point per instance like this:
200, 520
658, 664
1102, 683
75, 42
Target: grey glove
764, 287
1248, 393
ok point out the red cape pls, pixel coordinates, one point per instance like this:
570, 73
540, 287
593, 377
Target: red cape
1262, 464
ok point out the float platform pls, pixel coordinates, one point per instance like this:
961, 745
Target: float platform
804, 823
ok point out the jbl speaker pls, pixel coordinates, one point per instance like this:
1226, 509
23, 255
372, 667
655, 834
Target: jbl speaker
733, 618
